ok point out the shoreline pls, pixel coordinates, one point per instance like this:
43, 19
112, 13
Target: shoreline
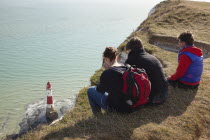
35, 115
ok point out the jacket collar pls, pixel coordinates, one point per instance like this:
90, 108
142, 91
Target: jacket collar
186, 47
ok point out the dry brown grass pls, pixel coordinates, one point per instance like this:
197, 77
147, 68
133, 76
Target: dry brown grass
174, 17
186, 113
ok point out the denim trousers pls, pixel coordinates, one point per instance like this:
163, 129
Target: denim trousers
97, 100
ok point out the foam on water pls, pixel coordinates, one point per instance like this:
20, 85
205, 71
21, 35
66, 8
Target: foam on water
35, 113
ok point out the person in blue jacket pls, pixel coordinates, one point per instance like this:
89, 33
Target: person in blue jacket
190, 59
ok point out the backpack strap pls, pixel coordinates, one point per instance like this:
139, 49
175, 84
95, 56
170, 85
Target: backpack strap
132, 82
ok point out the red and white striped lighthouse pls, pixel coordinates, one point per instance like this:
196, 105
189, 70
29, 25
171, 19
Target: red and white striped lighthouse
51, 113
50, 103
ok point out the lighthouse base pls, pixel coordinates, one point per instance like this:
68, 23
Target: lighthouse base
51, 115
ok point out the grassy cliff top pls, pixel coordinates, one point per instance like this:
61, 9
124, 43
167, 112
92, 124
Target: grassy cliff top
175, 16
172, 18
186, 113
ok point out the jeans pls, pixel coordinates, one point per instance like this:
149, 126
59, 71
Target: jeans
97, 100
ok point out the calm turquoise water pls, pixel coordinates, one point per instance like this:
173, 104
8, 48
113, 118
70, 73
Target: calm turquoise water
60, 41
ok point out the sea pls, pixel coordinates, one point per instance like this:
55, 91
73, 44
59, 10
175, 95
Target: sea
60, 41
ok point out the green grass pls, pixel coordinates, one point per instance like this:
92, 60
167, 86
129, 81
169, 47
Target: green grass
94, 80
186, 113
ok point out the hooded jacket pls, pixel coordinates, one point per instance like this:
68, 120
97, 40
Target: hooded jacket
190, 67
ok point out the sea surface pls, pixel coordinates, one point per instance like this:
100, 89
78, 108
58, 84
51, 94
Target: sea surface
60, 41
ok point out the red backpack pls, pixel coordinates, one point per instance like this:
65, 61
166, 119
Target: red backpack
136, 86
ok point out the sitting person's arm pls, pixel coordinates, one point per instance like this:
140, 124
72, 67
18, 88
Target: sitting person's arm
102, 86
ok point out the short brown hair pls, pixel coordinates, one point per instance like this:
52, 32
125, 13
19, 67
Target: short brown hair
134, 44
110, 53
186, 37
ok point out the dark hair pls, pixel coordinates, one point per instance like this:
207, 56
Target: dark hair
110, 53
134, 44
186, 37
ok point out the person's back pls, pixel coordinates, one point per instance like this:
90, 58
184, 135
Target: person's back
111, 82
153, 67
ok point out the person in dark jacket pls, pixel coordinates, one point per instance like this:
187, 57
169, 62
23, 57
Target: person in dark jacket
108, 93
190, 68
140, 58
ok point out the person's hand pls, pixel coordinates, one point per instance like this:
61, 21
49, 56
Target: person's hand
105, 65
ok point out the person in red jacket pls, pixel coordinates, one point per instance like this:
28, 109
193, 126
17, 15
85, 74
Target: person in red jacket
190, 67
